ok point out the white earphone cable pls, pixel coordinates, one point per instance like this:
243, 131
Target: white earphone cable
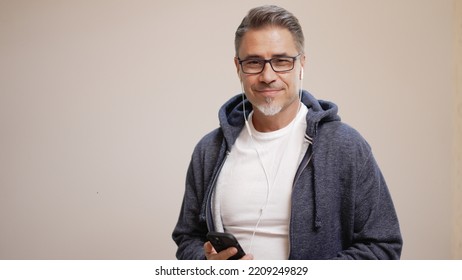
268, 185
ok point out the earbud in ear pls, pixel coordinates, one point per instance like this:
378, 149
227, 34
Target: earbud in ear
301, 74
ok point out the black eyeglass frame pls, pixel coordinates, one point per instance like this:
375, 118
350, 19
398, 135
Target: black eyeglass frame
264, 61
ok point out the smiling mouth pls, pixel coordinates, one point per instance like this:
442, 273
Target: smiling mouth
269, 93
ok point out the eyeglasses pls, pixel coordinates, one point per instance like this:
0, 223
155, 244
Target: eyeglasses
278, 64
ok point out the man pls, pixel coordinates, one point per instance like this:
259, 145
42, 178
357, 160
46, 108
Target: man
282, 173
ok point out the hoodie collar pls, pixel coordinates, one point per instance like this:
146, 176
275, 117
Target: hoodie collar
231, 115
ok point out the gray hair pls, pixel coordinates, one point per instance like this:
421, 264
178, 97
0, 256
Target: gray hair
270, 15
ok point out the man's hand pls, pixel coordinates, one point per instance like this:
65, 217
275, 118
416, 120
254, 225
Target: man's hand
211, 253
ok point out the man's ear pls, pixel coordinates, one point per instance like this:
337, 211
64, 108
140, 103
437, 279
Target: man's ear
302, 66
303, 60
238, 69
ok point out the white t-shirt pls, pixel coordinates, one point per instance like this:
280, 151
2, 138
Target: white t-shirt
255, 206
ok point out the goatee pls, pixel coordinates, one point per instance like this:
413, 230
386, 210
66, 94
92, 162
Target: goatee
270, 108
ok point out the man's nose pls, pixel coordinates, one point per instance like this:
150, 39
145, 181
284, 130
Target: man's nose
268, 75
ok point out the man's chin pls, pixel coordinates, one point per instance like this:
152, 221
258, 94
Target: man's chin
269, 110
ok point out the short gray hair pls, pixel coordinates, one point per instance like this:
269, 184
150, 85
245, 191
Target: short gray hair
270, 15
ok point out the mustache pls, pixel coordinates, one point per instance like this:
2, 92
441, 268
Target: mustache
263, 87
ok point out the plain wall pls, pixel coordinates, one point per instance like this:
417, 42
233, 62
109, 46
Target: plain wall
457, 147
102, 102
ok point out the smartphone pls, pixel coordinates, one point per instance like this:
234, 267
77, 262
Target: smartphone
224, 240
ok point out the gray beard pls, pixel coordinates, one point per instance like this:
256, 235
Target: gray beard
269, 109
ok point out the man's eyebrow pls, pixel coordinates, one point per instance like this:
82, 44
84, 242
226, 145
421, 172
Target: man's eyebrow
254, 56
251, 56
281, 55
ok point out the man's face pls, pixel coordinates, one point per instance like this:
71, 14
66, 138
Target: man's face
268, 91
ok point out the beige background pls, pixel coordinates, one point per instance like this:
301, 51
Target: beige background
102, 102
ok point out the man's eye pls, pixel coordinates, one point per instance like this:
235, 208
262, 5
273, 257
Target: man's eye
281, 61
252, 62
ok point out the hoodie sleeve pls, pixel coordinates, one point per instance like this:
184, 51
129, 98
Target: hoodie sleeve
190, 231
376, 233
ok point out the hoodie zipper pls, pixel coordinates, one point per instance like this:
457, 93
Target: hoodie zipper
303, 166
208, 207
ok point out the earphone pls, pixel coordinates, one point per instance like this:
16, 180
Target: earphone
243, 105
301, 85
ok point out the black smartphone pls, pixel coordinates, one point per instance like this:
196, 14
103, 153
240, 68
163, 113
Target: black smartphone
224, 240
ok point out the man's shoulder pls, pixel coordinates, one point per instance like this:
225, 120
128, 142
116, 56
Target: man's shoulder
338, 129
214, 136
341, 136
210, 141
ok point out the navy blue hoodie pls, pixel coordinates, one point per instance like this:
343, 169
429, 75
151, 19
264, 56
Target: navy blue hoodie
341, 206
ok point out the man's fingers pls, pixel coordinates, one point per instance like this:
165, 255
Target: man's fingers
228, 253
208, 248
211, 253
